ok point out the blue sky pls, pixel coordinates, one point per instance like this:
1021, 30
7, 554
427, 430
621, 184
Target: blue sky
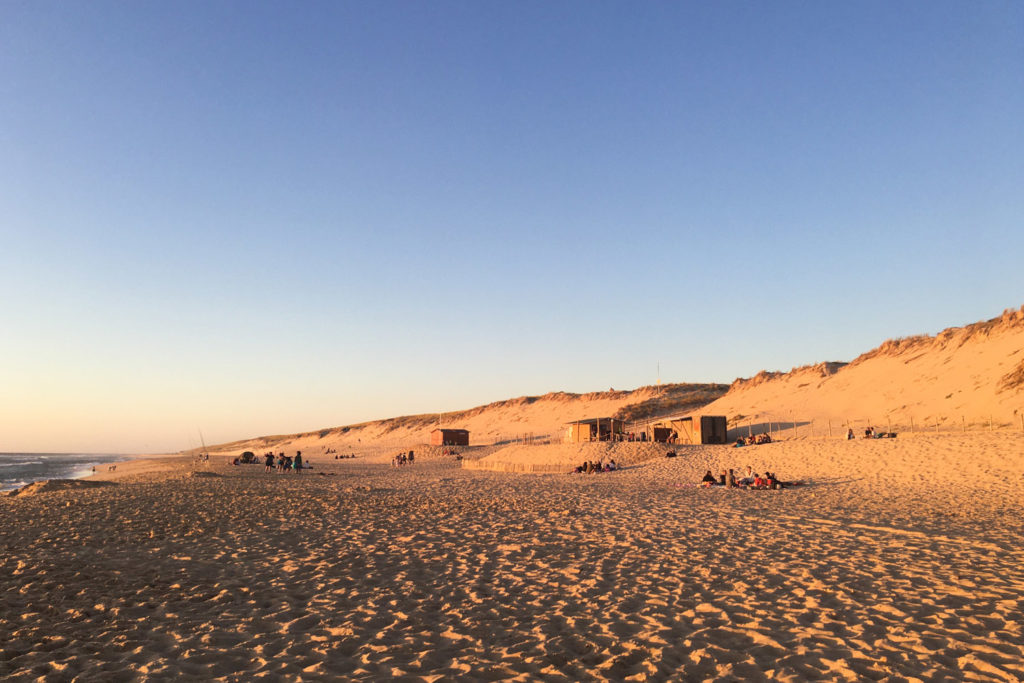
253, 218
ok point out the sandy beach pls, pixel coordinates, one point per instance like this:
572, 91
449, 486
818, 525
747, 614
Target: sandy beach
899, 560
509, 241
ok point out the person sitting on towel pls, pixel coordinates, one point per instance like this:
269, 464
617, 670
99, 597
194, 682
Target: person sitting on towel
708, 480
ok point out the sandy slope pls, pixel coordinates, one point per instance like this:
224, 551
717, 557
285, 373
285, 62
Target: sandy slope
965, 375
542, 417
565, 457
901, 560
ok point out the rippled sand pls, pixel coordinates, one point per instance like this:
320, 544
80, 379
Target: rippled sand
901, 560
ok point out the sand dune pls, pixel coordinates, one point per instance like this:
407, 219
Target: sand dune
968, 377
963, 377
543, 417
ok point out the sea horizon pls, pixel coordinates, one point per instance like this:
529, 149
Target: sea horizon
19, 469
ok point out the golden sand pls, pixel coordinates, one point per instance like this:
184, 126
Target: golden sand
901, 559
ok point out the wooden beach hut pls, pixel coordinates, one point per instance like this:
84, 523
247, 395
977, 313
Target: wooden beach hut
449, 437
595, 429
689, 429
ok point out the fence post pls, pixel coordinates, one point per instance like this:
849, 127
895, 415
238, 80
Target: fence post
963, 423
911, 424
830, 428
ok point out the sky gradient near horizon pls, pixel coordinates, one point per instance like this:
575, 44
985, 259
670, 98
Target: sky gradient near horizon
258, 218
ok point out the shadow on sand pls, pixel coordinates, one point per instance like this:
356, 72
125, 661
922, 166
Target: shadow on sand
761, 428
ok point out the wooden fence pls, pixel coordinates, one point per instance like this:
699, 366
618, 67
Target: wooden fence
791, 427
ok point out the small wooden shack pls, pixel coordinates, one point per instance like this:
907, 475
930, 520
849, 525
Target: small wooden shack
689, 429
595, 429
449, 437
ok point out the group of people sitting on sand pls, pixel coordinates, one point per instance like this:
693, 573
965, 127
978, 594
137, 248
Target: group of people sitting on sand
753, 440
284, 464
589, 467
344, 456
870, 433
403, 459
750, 480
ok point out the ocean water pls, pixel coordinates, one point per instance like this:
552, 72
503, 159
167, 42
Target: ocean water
18, 469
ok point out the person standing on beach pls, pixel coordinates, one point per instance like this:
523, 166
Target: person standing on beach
268, 460
297, 463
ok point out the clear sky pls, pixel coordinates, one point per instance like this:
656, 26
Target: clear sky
253, 218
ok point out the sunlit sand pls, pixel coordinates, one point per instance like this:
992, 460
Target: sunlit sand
899, 558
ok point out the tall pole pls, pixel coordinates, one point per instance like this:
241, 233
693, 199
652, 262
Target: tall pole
203, 441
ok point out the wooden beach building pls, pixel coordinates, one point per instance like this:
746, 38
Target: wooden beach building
449, 437
689, 429
595, 429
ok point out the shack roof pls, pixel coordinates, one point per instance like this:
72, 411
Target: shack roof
446, 429
593, 420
